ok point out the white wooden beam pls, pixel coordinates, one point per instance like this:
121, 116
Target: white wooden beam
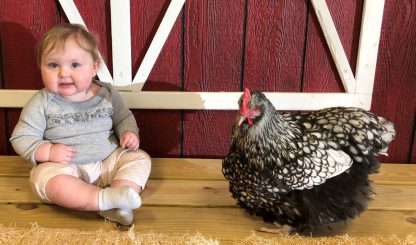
368, 46
121, 42
74, 16
210, 100
158, 41
359, 95
335, 45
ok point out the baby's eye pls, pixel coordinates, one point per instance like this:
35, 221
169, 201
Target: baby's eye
53, 65
75, 65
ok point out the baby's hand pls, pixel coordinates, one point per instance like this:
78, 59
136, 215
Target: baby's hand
130, 140
61, 153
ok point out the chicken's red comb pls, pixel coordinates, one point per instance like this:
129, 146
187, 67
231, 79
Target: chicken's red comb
246, 100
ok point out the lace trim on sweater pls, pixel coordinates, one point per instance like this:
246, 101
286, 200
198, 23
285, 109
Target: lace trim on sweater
71, 118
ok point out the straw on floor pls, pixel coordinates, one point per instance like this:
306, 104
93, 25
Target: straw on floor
40, 235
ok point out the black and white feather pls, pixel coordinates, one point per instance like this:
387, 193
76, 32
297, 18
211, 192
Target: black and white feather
303, 169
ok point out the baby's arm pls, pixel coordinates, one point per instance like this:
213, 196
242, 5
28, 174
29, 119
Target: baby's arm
124, 123
27, 136
130, 140
48, 152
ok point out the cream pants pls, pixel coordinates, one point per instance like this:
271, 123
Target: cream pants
121, 164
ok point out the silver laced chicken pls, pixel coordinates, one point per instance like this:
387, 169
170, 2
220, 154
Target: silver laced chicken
303, 170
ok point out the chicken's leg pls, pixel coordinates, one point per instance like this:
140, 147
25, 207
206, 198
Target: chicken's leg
280, 229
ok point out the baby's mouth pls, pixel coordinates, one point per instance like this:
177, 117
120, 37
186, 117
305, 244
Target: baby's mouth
66, 84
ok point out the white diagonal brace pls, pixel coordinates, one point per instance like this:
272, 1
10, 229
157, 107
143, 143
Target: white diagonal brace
121, 42
158, 41
368, 46
335, 45
73, 16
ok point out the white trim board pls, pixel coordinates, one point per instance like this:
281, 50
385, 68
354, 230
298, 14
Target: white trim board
358, 89
209, 100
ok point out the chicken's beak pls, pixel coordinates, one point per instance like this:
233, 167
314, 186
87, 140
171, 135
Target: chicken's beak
241, 119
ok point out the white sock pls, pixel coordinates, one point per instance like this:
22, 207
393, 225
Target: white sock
121, 216
123, 197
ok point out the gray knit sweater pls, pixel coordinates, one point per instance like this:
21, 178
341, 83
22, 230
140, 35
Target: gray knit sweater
92, 127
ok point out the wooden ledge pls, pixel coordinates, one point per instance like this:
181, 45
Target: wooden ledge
191, 195
210, 169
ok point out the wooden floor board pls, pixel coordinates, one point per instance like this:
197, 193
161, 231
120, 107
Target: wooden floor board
206, 193
191, 195
220, 223
210, 169
394, 197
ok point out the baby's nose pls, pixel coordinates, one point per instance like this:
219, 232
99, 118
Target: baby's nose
63, 72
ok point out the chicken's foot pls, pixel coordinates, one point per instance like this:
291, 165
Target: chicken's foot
280, 229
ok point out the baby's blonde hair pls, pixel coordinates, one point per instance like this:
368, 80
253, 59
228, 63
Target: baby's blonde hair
56, 37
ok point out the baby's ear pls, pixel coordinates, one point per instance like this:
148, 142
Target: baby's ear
96, 66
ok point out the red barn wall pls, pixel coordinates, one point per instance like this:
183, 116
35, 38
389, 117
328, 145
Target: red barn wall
217, 45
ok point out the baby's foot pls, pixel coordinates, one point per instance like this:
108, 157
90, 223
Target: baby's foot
123, 197
121, 216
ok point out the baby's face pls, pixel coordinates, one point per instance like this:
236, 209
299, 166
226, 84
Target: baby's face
68, 71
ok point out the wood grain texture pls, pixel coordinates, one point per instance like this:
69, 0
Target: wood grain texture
145, 20
224, 46
212, 62
210, 169
3, 133
212, 222
274, 45
157, 137
394, 94
96, 15
179, 202
200, 183
12, 117
413, 152
20, 34
160, 131
21, 26
209, 193
3, 119
320, 74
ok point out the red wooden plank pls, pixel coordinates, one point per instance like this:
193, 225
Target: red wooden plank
213, 44
212, 61
394, 94
145, 19
96, 15
160, 131
22, 24
3, 140
274, 45
3, 121
13, 115
413, 155
320, 74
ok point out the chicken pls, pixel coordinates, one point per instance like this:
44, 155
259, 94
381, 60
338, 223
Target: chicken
303, 170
